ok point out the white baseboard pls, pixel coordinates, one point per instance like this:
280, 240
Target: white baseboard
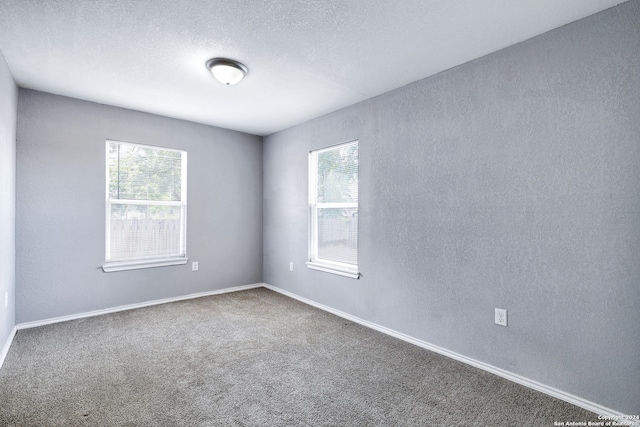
7, 344
37, 323
559, 394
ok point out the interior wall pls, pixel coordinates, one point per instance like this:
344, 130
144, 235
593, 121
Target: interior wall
60, 223
508, 182
8, 105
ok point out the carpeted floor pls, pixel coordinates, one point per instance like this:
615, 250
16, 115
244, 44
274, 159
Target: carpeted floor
250, 358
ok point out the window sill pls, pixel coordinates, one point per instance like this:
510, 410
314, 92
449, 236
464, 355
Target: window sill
147, 263
342, 271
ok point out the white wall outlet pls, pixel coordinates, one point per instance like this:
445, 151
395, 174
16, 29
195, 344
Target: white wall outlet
194, 266
291, 266
501, 317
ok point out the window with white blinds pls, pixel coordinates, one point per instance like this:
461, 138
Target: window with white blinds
333, 209
146, 202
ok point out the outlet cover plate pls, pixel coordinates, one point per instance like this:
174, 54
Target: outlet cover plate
501, 317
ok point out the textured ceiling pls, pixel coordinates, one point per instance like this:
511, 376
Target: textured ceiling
305, 57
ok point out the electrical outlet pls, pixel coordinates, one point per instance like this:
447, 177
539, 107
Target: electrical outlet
194, 266
501, 317
291, 266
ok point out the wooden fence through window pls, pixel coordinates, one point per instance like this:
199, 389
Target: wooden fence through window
136, 238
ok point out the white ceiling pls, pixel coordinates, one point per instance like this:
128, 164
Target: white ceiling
306, 58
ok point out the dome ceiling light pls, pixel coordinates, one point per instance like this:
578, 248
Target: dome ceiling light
227, 71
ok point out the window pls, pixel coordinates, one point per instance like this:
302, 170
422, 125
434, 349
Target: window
333, 210
146, 206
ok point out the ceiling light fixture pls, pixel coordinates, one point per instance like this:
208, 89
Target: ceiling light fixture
227, 71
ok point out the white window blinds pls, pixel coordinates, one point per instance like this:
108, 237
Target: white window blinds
333, 201
146, 203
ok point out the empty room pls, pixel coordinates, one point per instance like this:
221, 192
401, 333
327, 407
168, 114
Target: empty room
319, 213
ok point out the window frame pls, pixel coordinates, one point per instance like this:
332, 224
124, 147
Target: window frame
314, 261
148, 261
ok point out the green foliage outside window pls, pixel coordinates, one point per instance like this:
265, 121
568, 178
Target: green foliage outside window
144, 174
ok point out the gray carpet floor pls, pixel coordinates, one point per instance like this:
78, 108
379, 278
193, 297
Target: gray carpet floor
250, 358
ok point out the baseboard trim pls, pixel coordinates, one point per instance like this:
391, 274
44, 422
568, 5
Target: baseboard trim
44, 322
551, 391
7, 344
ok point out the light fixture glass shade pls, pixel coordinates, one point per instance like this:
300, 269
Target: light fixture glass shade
227, 71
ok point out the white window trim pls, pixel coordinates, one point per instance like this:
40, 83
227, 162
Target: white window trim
110, 267
315, 263
335, 269
139, 263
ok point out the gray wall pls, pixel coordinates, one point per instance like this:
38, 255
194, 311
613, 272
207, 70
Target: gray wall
61, 209
8, 105
511, 181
